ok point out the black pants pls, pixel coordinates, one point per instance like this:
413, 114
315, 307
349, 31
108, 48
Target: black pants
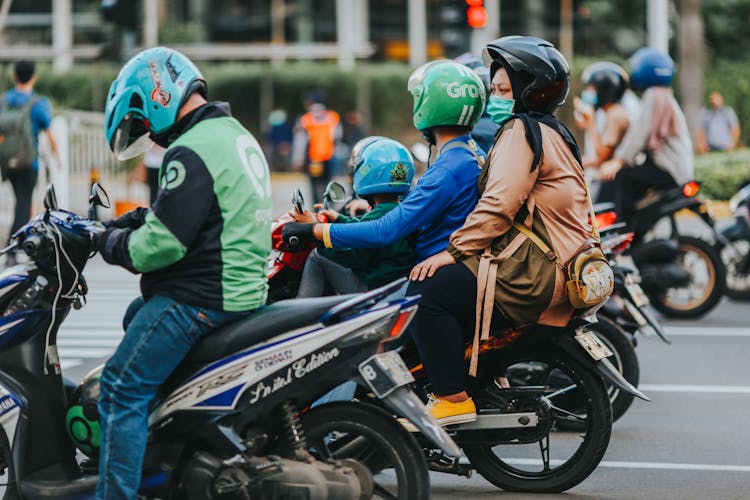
443, 324
631, 184
23, 182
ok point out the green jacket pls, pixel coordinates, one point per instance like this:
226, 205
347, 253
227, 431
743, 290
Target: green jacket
207, 239
376, 266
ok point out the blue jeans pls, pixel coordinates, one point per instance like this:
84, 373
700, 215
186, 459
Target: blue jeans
158, 335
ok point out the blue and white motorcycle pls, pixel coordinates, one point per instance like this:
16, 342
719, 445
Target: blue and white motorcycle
234, 420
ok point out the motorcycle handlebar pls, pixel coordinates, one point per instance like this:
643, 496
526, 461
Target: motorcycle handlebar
32, 243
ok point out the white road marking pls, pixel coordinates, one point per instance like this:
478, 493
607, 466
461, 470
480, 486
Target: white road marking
715, 389
708, 331
644, 465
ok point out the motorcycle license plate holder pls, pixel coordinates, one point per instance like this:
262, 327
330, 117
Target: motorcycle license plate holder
637, 294
592, 345
384, 373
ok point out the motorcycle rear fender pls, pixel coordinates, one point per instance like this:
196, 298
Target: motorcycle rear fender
603, 367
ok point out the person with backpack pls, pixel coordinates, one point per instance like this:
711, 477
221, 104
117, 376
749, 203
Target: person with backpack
533, 193
23, 115
383, 171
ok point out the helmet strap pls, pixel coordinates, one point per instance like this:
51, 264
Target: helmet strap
429, 137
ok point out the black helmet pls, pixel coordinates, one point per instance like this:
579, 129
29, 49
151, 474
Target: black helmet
609, 79
538, 73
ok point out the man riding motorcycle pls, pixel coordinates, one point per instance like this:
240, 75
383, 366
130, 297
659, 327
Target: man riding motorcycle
201, 250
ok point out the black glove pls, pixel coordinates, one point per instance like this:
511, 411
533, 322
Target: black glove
130, 220
97, 236
297, 235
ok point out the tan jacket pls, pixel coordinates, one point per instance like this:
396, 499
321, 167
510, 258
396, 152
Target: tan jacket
555, 194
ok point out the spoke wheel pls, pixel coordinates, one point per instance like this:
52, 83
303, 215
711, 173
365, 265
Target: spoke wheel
558, 460
707, 281
363, 432
738, 282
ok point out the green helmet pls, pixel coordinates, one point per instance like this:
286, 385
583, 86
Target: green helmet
82, 417
446, 93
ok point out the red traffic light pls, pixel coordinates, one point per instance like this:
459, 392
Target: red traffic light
476, 16
474, 3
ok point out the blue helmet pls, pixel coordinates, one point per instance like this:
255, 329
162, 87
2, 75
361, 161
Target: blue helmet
650, 68
381, 166
144, 100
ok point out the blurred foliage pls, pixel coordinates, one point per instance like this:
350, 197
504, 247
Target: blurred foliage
285, 86
722, 174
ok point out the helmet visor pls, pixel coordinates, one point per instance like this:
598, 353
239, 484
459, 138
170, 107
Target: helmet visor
131, 138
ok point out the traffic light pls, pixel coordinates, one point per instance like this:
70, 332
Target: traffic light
476, 15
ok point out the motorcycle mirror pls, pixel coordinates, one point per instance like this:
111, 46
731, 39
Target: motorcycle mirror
50, 198
421, 152
298, 202
335, 192
99, 196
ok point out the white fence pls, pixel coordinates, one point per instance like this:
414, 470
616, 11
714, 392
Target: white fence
83, 151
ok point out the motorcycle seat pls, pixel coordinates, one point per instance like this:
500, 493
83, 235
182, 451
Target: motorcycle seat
259, 326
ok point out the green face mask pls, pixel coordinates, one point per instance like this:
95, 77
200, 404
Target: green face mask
500, 109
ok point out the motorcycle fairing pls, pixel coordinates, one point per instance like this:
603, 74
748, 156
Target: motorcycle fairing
221, 387
10, 411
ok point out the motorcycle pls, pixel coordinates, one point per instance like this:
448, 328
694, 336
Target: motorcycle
226, 424
683, 276
555, 375
736, 254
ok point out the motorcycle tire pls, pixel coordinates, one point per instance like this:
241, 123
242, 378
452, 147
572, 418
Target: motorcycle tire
505, 473
624, 358
714, 290
367, 433
7, 478
734, 290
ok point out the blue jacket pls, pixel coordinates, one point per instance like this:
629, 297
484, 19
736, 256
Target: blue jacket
438, 205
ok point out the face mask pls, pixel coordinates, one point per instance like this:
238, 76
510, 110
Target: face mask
500, 109
589, 97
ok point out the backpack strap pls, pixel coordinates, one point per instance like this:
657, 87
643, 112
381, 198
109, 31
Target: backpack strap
470, 146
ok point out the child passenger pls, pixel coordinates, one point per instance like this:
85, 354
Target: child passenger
383, 172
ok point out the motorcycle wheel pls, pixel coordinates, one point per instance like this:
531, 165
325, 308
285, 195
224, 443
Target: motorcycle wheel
513, 467
371, 436
697, 298
738, 283
7, 478
624, 358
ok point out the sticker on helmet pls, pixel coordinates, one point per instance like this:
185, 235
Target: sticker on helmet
173, 176
158, 95
457, 90
399, 173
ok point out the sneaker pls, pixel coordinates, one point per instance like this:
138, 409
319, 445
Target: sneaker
446, 413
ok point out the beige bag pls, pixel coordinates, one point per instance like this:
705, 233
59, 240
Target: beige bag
588, 277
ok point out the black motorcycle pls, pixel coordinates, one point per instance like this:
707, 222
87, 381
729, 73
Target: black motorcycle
683, 276
736, 254
229, 423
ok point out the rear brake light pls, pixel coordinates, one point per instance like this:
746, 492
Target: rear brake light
403, 320
691, 189
606, 219
621, 243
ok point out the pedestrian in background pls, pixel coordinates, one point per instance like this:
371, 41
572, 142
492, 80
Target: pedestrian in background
279, 135
315, 138
719, 126
23, 115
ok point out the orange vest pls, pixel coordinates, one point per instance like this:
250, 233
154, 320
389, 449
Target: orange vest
320, 135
